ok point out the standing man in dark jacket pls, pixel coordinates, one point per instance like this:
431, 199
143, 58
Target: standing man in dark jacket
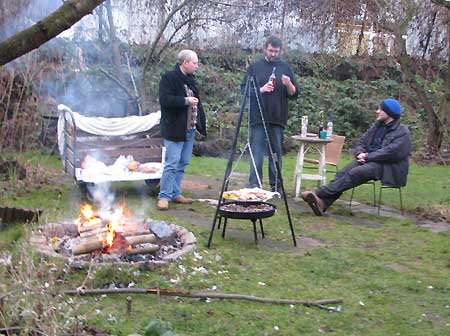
381, 154
181, 114
274, 95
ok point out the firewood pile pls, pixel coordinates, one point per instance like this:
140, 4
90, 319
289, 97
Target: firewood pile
147, 243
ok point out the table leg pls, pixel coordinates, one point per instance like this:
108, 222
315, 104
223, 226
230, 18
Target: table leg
322, 164
299, 170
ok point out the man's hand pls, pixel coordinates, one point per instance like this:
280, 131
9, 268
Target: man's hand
192, 101
268, 87
286, 80
361, 158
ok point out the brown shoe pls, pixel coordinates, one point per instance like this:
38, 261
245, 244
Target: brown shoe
182, 200
314, 202
162, 204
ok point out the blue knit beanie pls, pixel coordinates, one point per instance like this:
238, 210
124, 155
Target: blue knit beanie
392, 107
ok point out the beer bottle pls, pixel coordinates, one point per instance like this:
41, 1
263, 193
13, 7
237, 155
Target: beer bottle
272, 77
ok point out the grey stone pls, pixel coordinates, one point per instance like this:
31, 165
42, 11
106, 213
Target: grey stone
161, 229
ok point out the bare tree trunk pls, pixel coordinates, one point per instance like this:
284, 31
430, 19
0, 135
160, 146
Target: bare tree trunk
62, 19
101, 24
283, 19
443, 112
114, 42
435, 128
430, 31
361, 34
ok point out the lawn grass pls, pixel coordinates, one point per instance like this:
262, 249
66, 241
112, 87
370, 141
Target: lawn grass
392, 274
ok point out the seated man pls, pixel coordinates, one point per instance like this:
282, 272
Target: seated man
382, 154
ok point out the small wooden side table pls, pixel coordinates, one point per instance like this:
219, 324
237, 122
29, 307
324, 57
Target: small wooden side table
307, 143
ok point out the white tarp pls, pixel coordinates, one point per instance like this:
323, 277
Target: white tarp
106, 126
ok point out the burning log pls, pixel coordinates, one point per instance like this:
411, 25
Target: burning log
133, 229
143, 250
94, 232
88, 246
126, 232
141, 239
86, 227
93, 242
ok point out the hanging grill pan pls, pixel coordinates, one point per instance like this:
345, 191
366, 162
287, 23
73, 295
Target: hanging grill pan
247, 210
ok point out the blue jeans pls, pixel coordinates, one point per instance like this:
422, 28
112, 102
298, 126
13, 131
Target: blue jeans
258, 144
178, 156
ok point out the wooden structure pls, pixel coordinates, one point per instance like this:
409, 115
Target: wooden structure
305, 144
143, 146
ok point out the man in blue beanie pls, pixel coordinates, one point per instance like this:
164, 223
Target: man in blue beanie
381, 154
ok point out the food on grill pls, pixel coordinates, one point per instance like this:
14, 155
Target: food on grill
249, 194
133, 165
233, 207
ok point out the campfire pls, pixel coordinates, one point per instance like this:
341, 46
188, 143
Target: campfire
112, 232
112, 236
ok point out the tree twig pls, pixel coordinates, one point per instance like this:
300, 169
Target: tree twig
157, 291
118, 82
134, 84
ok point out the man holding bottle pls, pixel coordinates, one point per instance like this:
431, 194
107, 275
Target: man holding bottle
181, 114
268, 118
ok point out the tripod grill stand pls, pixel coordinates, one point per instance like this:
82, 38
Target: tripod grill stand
250, 84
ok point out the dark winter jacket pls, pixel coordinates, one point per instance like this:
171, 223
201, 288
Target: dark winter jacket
172, 98
274, 104
393, 154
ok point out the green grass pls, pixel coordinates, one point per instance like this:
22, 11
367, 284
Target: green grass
392, 275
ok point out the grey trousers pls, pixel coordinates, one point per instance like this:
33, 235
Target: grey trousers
352, 175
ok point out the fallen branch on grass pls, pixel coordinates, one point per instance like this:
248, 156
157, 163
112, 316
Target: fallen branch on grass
319, 304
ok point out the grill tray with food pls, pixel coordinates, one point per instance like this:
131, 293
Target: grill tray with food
251, 210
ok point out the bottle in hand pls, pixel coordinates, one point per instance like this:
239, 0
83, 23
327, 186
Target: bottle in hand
272, 77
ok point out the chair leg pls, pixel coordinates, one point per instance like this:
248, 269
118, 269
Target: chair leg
374, 195
400, 196
379, 200
401, 200
351, 198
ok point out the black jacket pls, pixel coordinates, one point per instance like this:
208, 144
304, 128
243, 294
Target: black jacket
393, 154
172, 98
274, 104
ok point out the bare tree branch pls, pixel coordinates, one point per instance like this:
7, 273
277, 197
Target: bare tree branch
119, 82
157, 291
160, 33
442, 3
62, 19
265, 4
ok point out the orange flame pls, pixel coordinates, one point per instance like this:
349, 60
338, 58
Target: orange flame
116, 221
87, 217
